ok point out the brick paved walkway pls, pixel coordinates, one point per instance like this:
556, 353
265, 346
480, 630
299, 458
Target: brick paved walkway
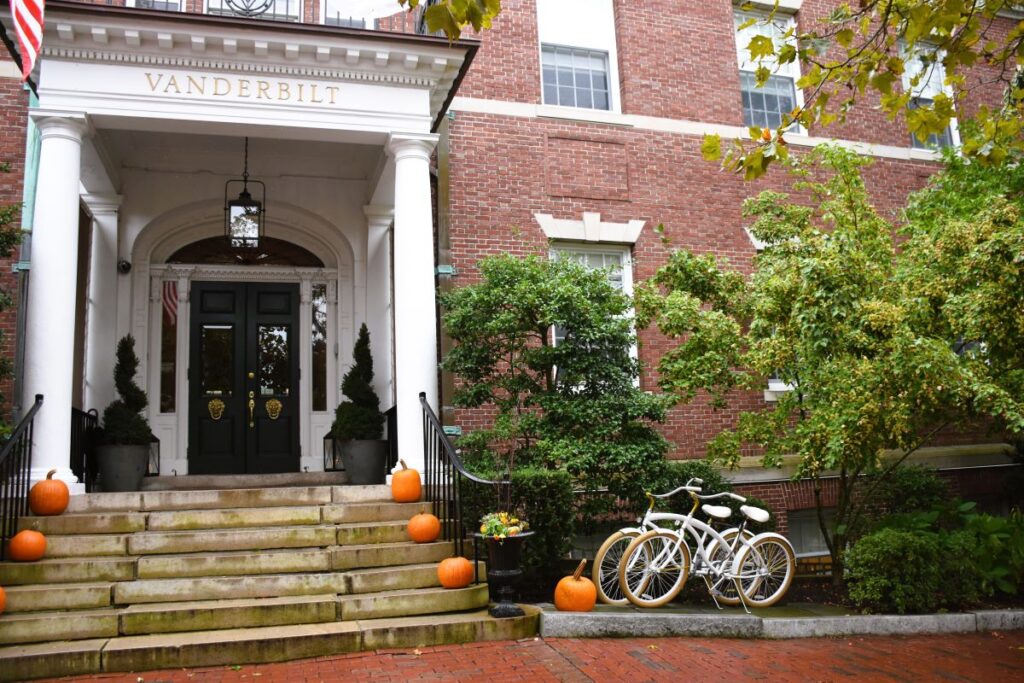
968, 657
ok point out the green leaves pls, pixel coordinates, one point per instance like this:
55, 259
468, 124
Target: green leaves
452, 16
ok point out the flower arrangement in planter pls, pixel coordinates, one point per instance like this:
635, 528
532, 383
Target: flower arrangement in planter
358, 422
501, 525
123, 455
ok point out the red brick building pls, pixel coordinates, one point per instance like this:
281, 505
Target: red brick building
576, 129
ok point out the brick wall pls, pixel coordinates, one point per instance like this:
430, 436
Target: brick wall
13, 121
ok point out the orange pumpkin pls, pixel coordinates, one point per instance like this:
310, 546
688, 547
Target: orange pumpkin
455, 572
405, 485
49, 496
27, 546
424, 527
3, 600
576, 593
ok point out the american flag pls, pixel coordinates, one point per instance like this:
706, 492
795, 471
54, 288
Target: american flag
170, 298
28, 26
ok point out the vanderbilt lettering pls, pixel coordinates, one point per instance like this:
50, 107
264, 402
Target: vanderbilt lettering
243, 88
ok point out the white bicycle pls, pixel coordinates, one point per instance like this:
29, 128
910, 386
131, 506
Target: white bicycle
608, 557
738, 569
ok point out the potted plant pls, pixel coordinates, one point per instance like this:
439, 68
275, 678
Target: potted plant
358, 422
505, 534
123, 453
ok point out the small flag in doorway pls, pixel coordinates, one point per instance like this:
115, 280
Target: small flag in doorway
28, 26
170, 298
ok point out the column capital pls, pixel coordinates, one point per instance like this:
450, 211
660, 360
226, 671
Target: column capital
417, 145
60, 124
102, 204
378, 214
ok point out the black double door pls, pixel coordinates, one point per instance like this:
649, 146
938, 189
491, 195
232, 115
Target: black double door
243, 378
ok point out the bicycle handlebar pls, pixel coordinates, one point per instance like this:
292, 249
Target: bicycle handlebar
724, 494
691, 489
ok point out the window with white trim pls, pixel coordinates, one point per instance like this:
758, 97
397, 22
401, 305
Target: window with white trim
766, 106
924, 77
165, 5
356, 13
575, 77
578, 54
613, 259
776, 385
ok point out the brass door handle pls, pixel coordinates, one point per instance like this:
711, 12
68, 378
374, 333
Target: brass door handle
252, 410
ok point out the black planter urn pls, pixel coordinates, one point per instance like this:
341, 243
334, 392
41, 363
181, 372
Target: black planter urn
504, 570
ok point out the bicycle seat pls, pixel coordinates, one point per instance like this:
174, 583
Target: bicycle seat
716, 511
754, 514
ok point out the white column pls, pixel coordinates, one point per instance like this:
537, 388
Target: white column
101, 302
378, 299
50, 317
415, 302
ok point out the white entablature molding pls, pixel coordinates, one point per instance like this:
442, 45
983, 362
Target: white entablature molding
198, 43
590, 229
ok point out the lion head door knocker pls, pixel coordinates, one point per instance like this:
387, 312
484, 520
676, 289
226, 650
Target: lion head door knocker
216, 408
273, 407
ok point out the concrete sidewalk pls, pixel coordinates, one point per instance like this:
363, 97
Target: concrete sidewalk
789, 621
980, 657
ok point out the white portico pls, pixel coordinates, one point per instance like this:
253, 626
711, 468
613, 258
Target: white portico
142, 117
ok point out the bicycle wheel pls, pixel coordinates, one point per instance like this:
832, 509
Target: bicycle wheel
766, 570
654, 568
606, 567
721, 558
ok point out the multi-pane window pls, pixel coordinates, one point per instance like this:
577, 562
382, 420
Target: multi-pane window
768, 105
319, 342
280, 10
167, 5
613, 260
575, 77
347, 13
925, 80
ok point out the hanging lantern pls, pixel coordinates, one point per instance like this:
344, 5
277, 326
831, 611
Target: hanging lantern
244, 216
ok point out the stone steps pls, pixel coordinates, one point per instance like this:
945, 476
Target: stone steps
133, 581
207, 615
254, 645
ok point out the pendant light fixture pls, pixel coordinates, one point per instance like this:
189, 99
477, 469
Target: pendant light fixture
244, 216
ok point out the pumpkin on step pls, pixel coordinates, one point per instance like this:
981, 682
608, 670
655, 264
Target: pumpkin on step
3, 600
49, 496
424, 527
576, 593
27, 546
405, 485
455, 572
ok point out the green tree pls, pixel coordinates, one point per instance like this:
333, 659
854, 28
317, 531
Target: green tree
9, 238
575, 405
862, 48
856, 325
360, 416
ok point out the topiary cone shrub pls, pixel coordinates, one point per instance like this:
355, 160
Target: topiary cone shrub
360, 416
123, 420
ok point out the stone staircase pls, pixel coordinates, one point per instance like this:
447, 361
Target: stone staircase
168, 579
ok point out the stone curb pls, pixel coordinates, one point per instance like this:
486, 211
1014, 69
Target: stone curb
554, 624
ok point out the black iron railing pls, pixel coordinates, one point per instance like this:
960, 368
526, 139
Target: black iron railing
444, 477
391, 420
15, 465
84, 430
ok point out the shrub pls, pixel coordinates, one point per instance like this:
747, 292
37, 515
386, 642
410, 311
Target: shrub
910, 488
123, 421
360, 416
544, 498
897, 570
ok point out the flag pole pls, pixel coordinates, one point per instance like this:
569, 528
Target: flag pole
15, 56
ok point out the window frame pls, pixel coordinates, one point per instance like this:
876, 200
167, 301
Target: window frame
625, 251
181, 6
790, 71
927, 90
607, 77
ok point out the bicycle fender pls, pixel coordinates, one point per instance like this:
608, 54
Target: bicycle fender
632, 530
742, 554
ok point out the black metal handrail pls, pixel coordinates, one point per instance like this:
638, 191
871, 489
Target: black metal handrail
84, 429
15, 466
443, 476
